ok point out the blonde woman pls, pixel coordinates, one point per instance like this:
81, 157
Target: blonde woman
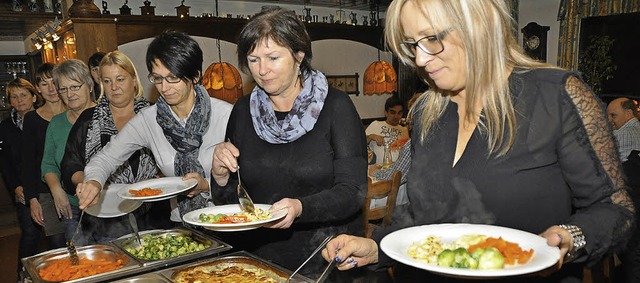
121, 99
500, 139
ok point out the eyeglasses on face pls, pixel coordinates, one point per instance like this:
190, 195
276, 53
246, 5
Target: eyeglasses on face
157, 79
431, 44
64, 90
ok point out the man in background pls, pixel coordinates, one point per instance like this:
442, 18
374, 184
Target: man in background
381, 133
623, 113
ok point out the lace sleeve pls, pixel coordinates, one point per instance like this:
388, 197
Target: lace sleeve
591, 165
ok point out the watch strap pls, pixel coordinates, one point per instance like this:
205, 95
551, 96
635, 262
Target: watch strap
579, 240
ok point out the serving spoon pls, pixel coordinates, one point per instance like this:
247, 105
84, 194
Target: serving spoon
71, 247
243, 197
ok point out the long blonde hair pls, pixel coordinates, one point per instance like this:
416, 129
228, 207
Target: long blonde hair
486, 32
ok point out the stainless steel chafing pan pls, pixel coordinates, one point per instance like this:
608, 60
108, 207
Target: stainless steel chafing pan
244, 260
33, 264
215, 246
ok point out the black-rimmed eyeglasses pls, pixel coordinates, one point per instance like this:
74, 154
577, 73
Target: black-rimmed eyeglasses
157, 79
64, 90
431, 44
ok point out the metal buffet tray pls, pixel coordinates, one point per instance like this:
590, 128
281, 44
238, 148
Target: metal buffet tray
215, 246
145, 278
117, 249
34, 263
239, 258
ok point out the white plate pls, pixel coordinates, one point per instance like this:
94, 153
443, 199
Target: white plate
170, 186
192, 217
395, 245
110, 205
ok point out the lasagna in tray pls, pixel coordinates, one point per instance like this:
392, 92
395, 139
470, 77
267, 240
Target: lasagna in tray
227, 271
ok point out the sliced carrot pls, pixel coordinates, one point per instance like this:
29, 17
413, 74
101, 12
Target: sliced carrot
512, 252
62, 269
146, 192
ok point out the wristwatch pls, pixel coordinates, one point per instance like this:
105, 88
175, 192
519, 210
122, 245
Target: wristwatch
578, 241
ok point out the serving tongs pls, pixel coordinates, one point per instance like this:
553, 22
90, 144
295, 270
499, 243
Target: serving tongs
134, 226
320, 247
243, 197
71, 248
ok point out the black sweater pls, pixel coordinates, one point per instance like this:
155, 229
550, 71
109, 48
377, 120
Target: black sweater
35, 131
325, 169
10, 149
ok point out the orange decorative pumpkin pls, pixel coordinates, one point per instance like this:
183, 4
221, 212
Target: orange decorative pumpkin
223, 81
379, 78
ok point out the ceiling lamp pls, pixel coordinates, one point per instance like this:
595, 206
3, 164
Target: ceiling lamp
380, 78
223, 81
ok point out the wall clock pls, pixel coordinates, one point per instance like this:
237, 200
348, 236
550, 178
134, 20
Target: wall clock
534, 41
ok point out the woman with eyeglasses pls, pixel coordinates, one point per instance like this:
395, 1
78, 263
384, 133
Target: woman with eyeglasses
121, 99
181, 129
75, 85
499, 139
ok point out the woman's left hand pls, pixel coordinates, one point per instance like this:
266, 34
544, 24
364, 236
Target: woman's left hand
20, 194
294, 210
561, 238
202, 186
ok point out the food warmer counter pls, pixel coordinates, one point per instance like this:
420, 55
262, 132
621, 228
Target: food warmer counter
116, 250
137, 270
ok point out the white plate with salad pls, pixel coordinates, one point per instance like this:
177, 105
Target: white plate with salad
396, 245
193, 217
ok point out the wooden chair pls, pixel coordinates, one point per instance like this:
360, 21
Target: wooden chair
379, 190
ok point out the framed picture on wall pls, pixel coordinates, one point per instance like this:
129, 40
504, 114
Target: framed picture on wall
346, 83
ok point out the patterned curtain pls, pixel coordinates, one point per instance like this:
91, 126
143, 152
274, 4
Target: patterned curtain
571, 13
515, 14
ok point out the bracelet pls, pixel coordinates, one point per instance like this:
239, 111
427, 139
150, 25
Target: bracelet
579, 240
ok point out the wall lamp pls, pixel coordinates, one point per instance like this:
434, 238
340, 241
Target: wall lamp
37, 42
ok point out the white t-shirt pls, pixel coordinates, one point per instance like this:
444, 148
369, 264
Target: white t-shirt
390, 134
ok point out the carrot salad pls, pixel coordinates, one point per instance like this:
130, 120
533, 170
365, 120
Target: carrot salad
146, 192
62, 269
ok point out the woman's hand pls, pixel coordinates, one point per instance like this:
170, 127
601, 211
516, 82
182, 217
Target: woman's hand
202, 186
88, 193
294, 210
20, 194
63, 208
36, 211
224, 161
561, 238
351, 251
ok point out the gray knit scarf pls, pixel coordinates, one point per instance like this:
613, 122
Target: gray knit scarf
300, 120
187, 140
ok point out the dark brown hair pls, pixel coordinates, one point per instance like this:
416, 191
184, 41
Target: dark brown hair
284, 28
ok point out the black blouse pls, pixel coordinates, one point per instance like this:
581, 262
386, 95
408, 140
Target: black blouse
562, 169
